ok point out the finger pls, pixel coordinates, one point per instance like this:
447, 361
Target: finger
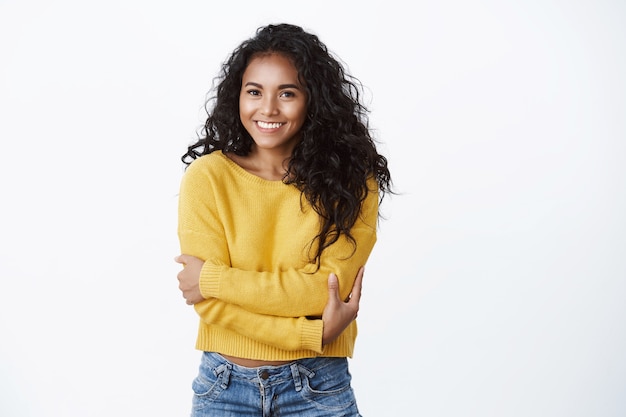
179, 259
333, 289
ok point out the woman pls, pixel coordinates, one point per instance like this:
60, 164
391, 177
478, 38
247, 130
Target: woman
277, 217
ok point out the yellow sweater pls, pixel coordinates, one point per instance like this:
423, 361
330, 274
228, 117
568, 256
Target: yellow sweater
264, 298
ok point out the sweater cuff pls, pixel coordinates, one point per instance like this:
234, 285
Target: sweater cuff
312, 331
210, 280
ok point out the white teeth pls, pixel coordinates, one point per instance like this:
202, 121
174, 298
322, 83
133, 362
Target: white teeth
265, 125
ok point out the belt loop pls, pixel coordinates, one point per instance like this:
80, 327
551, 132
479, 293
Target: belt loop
296, 371
224, 369
296, 376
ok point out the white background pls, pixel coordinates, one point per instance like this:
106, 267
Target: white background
498, 285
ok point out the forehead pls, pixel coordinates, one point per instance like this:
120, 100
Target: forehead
271, 67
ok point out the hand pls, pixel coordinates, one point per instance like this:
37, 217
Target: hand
189, 278
338, 314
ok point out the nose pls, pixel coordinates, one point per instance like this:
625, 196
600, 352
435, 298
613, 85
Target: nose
269, 106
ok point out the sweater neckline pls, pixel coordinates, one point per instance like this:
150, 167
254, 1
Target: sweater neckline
248, 175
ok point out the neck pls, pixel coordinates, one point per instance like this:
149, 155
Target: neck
270, 164
265, 163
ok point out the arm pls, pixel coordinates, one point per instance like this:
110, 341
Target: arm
279, 331
295, 292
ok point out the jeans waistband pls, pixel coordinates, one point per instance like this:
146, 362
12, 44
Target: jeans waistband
269, 373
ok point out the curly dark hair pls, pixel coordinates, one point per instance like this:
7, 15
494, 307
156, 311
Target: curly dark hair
336, 154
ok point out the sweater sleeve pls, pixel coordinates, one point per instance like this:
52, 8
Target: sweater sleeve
286, 333
296, 292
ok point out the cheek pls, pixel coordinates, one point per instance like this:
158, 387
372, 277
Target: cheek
243, 103
244, 108
297, 112
303, 113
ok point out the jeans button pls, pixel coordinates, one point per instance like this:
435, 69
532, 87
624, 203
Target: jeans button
265, 374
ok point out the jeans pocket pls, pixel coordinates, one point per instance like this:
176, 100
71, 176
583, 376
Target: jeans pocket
208, 385
330, 392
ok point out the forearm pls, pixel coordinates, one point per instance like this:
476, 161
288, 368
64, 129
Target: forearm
285, 333
288, 293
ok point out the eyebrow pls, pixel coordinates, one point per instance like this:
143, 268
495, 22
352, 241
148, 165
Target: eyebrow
280, 87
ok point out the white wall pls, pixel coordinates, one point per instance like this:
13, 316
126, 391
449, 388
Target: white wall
498, 286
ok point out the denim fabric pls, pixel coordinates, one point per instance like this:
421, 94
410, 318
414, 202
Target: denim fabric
313, 387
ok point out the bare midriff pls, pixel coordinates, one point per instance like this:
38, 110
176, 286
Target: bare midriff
253, 363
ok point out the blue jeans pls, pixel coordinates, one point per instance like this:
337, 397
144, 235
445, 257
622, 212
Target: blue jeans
312, 387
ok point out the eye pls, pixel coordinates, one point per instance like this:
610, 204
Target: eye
253, 92
288, 94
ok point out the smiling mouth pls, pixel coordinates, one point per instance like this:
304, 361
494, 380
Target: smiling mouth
266, 125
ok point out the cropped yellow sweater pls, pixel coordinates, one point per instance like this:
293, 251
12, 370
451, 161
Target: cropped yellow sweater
264, 297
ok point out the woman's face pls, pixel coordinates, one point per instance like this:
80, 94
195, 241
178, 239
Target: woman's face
272, 103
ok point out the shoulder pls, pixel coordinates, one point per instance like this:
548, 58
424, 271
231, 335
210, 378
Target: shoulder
373, 191
369, 207
204, 172
207, 166
206, 162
